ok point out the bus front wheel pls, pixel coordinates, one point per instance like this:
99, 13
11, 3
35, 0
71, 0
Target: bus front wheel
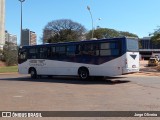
83, 73
33, 73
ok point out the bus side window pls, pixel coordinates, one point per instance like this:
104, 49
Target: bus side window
53, 52
77, 51
33, 53
60, 51
89, 49
43, 53
96, 49
49, 52
84, 49
71, 50
109, 49
23, 55
105, 52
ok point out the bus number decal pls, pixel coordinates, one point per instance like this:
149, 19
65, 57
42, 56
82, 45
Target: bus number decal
37, 63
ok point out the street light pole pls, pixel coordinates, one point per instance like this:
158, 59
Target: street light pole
91, 19
21, 21
96, 23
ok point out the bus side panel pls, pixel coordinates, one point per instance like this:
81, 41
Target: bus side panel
52, 67
61, 68
111, 68
22, 68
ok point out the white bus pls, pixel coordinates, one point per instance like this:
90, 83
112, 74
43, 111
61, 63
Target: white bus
104, 57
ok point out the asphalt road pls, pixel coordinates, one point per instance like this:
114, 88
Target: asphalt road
135, 92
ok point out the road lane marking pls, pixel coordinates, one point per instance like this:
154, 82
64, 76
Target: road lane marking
17, 96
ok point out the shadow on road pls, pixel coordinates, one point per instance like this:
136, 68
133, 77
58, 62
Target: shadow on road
71, 80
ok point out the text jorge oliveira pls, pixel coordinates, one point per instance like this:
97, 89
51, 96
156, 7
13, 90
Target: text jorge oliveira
145, 115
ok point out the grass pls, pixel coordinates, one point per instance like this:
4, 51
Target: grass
9, 69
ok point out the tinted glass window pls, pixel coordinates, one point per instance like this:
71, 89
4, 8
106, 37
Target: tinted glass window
33, 50
105, 52
53, 49
43, 53
60, 52
53, 52
109, 52
71, 50
115, 52
22, 54
91, 49
132, 45
33, 53
109, 49
111, 45
60, 49
105, 46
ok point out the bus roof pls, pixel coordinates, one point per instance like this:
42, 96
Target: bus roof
77, 42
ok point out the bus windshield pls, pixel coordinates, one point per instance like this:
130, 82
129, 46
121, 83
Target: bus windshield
132, 45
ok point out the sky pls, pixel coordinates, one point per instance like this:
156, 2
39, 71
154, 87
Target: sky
140, 17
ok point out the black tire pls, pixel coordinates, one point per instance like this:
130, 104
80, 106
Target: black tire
83, 73
33, 73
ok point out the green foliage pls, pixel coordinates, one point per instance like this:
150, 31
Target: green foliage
1, 51
1, 55
127, 34
63, 30
63, 36
156, 37
140, 45
10, 54
108, 33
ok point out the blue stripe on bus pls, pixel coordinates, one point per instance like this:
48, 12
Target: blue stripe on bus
95, 60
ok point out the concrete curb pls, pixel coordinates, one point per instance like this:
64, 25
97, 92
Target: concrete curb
9, 73
148, 73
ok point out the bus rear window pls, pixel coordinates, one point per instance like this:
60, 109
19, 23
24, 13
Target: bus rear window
132, 45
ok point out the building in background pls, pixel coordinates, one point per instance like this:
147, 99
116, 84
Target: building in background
146, 43
28, 37
10, 38
2, 23
147, 48
47, 34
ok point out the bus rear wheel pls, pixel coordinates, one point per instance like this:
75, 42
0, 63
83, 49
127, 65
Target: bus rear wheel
33, 73
83, 73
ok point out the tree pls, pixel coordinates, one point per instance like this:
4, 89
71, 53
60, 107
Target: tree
63, 30
1, 55
10, 54
127, 34
108, 33
156, 37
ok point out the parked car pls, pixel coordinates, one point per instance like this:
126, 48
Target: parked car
153, 61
